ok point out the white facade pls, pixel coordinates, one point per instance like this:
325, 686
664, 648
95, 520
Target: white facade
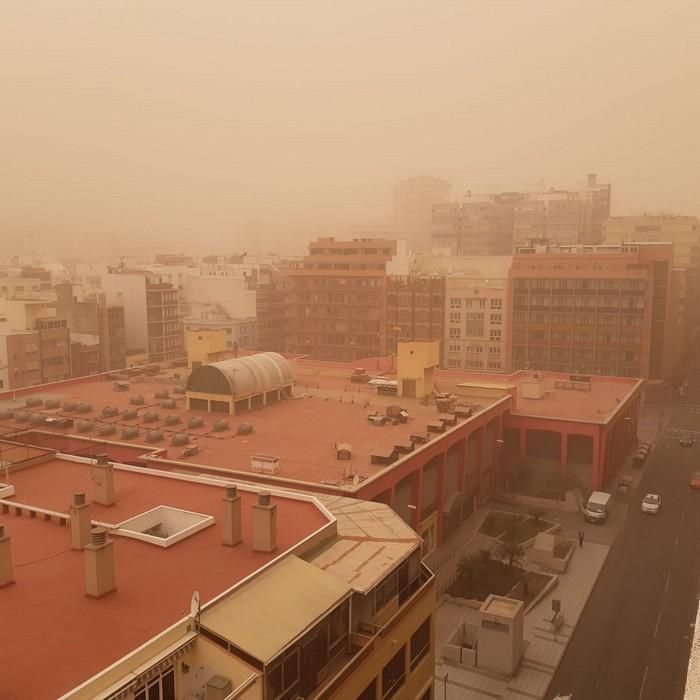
475, 324
129, 290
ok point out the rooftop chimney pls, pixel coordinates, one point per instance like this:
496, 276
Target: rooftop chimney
232, 517
80, 523
99, 564
264, 524
6, 576
102, 474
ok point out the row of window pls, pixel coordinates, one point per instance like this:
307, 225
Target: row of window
494, 333
395, 671
456, 317
576, 319
470, 303
519, 335
470, 363
580, 284
580, 302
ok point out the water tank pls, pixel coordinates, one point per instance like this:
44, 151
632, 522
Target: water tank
110, 411
179, 439
7, 414
130, 414
195, 422
219, 425
172, 419
154, 436
137, 400
168, 403
130, 433
33, 401
70, 406
85, 426
22, 417
84, 408
244, 428
150, 417
162, 394
52, 403
179, 389
107, 429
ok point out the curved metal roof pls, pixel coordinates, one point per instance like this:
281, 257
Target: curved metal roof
243, 376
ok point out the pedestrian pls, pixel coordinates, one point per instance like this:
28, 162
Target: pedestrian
580, 538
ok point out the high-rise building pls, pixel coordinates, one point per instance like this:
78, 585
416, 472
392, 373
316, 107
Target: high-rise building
338, 298
271, 289
609, 310
165, 330
414, 199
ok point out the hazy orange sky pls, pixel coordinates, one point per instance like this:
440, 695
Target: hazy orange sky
154, 117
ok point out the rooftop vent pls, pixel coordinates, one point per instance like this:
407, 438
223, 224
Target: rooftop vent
220, 425
190, 451
164, 526
7, 414
245, 428
179, 389
130, 414
130, 433
121, 386
86, 426
21, 416
52, 403
179, 439
150, 417
265, 464
168, 403
70, 406
137, 400
109, 411
195, 422
84, 408
172, 419
99, 564
37, 418
106, 429
162, 394
343, 451
33, 401
154, 436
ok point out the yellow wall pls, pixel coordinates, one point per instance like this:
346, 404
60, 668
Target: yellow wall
388, 643
203, 344
417, 360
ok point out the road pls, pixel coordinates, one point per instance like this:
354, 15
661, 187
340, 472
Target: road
633, 639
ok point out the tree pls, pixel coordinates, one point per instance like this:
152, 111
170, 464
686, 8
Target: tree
471, 567
537, 514
511, 550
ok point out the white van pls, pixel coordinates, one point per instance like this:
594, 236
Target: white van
597, 507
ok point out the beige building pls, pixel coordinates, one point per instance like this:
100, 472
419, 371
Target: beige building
178, 586
682, 231
414, 199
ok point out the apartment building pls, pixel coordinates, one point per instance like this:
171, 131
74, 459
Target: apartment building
493, 224
267, 594
165, 329
476, 322
271, 293
97, 330
338, 298
414, 199
609, 310
415, 305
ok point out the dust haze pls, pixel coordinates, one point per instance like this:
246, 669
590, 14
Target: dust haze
185, 124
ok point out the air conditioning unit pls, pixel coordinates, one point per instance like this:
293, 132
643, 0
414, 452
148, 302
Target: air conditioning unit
265, 464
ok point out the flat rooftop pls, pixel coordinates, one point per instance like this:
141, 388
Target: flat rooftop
47, 617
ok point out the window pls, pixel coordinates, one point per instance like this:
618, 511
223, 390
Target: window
496, 303
338, 628
455, 332
455, 303
495, 334
420, 643
384, 592
455, 317
482, 303
394, 674
160, 688
283, 673
496, 319
370, 692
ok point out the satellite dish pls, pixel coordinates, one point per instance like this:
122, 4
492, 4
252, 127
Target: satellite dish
194, 604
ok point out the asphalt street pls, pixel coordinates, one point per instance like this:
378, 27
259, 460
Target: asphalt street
633, 639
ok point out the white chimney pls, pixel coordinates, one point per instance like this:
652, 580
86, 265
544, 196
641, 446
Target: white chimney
80, 522
99, 564
264, 524
6, 575
102, 474
231, 535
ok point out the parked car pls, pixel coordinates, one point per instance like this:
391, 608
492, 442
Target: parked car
686, 442
651, 503
597, 507
695, 480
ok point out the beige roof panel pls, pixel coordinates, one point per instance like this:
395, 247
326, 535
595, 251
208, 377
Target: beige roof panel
264, 617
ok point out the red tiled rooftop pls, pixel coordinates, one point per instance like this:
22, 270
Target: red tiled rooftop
47, 617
